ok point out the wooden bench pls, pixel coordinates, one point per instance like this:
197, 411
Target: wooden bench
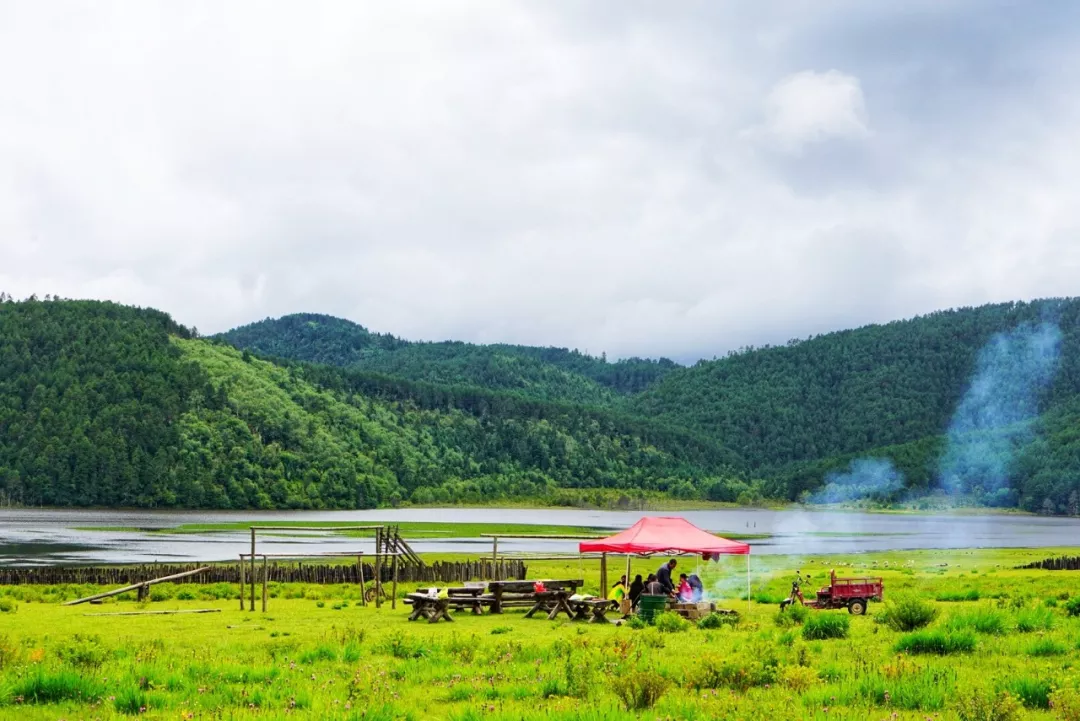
469, 597
594, 609
460, 599
508, 594
430, 607
552, 603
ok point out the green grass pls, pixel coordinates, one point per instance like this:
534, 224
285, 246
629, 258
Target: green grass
982, 619
825, 625
908, 612
937, 642
300, 661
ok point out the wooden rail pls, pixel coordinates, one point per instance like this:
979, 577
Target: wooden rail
285, 572
135, 586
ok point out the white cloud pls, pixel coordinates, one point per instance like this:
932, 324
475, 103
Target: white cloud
809, 107
544, 173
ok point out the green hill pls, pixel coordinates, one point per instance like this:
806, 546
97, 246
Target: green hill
800, 411
106, 405
543, 373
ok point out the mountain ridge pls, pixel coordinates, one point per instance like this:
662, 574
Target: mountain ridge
103, 404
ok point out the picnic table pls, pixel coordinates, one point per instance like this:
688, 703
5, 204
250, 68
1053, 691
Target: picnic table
551, 602
430, 607
470, 597
505, 594
595, 609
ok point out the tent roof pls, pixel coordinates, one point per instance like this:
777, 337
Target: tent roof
663, 535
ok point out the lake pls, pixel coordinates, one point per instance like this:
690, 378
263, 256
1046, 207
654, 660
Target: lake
49, 536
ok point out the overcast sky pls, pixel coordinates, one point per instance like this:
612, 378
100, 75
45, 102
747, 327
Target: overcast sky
642, 178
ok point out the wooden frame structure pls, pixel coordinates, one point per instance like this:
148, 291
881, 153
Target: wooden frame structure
381, 536
554, 537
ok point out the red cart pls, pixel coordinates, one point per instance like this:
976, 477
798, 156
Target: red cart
850, 593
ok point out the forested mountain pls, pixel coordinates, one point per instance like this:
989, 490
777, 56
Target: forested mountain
796, 412
543, 373
102, 404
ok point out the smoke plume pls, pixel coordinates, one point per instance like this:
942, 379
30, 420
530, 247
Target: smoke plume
866, 478
994, 418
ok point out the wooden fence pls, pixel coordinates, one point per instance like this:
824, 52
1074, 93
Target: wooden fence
1063, 563
291, 572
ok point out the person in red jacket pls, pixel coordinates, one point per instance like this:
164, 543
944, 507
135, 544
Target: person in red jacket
685, 593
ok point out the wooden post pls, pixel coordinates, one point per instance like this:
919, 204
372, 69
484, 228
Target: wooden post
265, 574
628, 576
748, 609
252, 568
242, 587
360, 569
378, 562
495, 558
603, 576
393, 594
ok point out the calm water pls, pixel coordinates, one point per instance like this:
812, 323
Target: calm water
48, 537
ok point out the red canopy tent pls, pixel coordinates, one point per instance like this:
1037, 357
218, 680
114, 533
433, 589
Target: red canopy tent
664, 535
667, 535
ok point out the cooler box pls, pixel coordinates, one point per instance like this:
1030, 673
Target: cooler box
649, 606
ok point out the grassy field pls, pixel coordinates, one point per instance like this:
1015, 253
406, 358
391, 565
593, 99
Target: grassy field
964, 637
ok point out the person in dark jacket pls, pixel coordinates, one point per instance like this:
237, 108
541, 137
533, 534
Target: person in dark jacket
663, 575
636, 589
697, 590
653, 587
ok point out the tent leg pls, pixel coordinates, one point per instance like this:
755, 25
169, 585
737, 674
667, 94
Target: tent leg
748, 584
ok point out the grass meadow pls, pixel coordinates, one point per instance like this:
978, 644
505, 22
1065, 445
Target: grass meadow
962, 636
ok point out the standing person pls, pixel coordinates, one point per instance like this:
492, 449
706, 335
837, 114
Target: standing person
696, 588
636, 589
663, 575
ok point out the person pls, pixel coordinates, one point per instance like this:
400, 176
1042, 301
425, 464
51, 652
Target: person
696, 588
618, 591
663, 575
796, 592
685, 593
653, 587
636, 589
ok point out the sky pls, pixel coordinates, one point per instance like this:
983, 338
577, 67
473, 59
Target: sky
638, 178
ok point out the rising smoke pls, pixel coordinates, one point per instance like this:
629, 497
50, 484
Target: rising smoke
994, 418
866, 478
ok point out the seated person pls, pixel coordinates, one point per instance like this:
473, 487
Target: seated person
698, 591
653, 587
636, 589
684, 593
618, 591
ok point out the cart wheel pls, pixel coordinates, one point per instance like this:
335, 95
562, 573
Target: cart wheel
369, 595
857, 607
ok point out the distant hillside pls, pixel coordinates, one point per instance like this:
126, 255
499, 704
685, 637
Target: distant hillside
542, 373
796, 412
106, 405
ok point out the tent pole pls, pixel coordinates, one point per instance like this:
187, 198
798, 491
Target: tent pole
748, 584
